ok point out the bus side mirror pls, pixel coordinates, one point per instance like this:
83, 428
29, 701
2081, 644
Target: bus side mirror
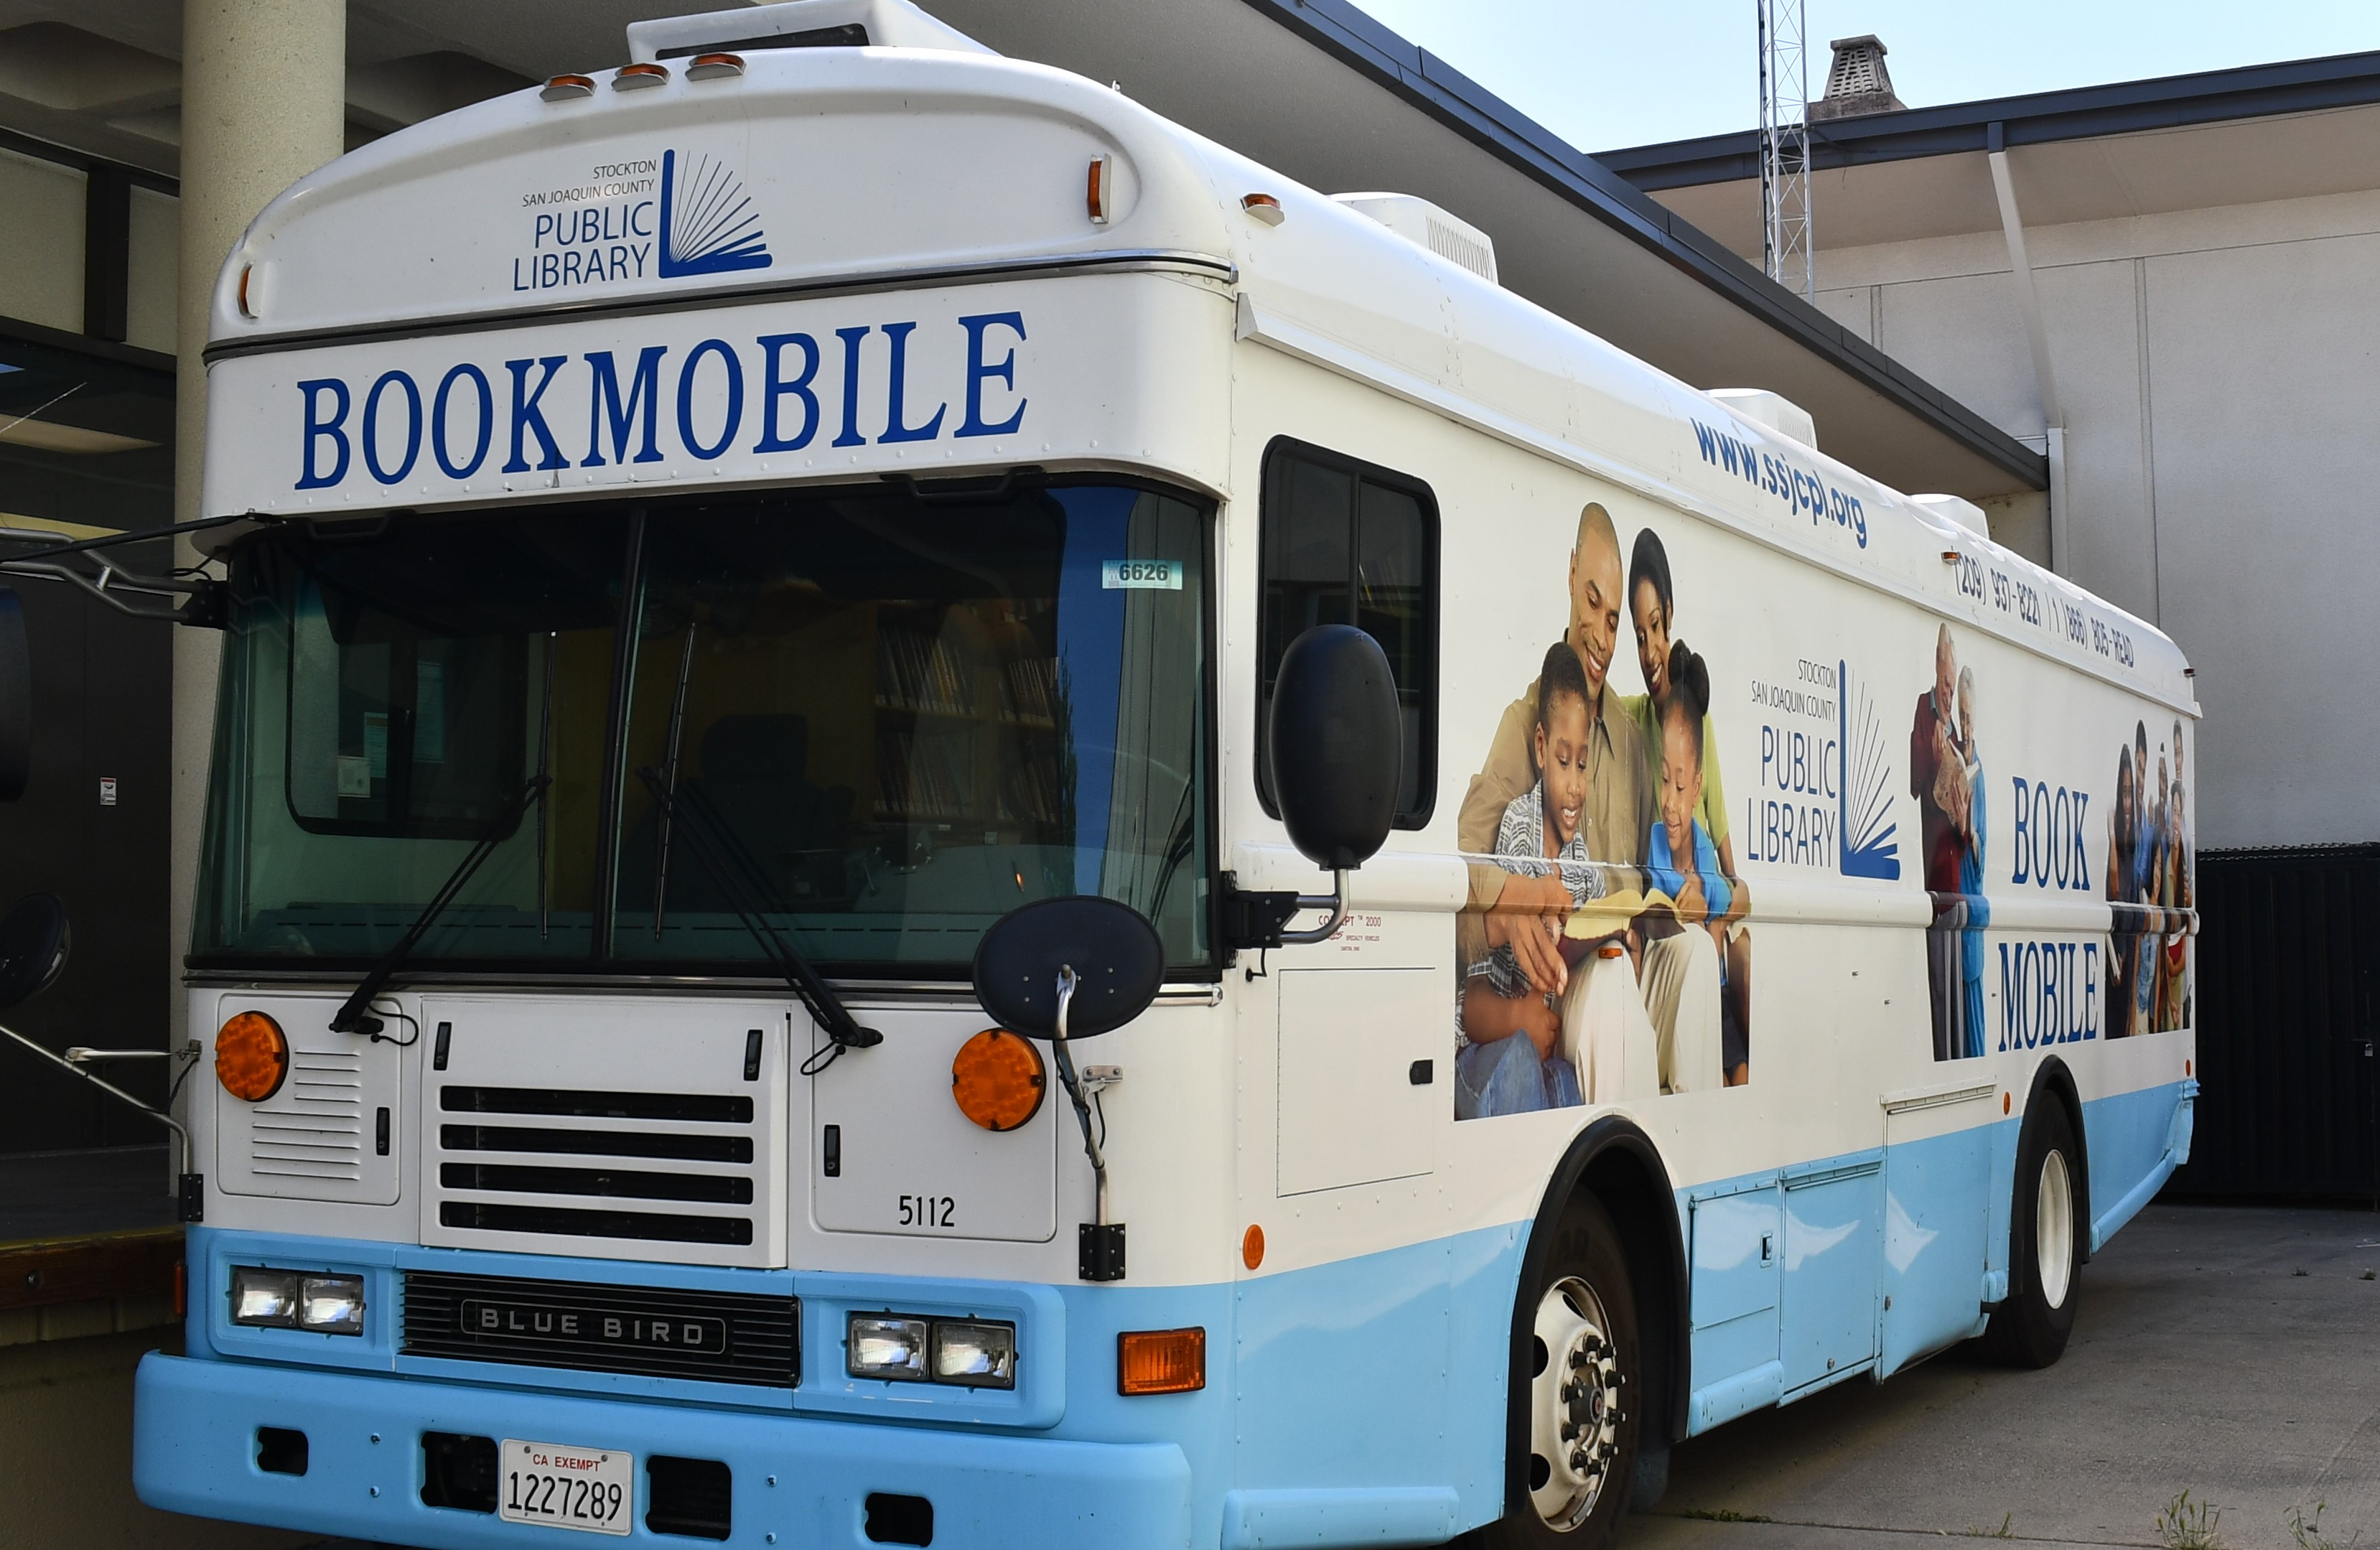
33, 941
1336, 741
1115, 956
16, 699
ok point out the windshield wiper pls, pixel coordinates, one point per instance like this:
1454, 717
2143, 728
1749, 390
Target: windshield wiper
354, 1015
738, 873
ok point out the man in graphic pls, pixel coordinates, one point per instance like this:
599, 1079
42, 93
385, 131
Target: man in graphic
1527, 914
1937, 779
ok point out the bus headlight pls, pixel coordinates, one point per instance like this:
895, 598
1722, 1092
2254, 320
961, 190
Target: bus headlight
263, 1298
332, 1304
979, 1355
267, 1299
968, 1353
886, 1346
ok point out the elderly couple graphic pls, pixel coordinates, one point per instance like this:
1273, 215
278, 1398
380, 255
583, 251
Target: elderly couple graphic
1602, 954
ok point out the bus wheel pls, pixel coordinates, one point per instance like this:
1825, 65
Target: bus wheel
2030, 1329
1582, 1412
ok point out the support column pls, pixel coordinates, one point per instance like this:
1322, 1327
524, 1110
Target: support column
263, 103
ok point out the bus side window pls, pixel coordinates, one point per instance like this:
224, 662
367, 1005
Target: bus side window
1349, 543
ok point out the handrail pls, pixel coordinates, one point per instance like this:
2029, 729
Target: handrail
73, 1067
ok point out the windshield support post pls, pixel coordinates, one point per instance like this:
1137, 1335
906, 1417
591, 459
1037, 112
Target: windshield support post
615, 737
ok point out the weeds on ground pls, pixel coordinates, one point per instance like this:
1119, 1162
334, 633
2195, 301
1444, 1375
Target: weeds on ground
1724, 1515
2008, 1530
2307, 1532
2188, 1525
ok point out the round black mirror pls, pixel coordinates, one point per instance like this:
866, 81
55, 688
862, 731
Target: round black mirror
33, 941
1336, 740
1118, 960
16, 699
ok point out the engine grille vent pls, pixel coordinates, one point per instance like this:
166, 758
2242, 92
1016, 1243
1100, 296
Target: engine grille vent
716, 1337
313, 1128
556, 1179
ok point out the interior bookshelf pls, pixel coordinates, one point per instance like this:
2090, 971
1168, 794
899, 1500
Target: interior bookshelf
968, 712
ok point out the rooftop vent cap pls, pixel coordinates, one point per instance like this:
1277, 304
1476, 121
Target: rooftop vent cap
1964, 513
1858, 83
798, 24
1773, 410
1425, 226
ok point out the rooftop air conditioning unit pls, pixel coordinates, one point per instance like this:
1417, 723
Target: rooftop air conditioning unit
1773, 410
1424, 225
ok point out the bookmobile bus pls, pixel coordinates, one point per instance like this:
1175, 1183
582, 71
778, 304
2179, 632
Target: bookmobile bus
718, 539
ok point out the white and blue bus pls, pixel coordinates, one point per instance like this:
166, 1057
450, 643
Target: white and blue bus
714, 547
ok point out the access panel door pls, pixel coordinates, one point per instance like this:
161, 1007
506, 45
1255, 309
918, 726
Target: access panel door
1360, 1074
1738, 1260
1833, 1243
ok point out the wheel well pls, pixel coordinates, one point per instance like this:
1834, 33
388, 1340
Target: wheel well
2052, 1082
1614, 1161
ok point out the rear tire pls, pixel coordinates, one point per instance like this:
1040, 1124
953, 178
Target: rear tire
2045, 1244
1577, 1441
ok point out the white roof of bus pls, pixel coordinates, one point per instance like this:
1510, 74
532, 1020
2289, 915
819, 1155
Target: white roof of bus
916, 160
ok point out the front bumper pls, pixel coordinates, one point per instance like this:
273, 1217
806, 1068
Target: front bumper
798, 1481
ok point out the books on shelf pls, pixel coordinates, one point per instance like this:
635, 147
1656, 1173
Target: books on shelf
1028, 690
915, 671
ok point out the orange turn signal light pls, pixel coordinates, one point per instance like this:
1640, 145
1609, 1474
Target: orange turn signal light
1160, 1361
998, 1079
251, 1056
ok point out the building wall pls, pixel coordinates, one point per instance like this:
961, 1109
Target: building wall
2220, 375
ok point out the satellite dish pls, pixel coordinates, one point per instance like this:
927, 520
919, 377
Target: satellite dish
1118, 960
33, 942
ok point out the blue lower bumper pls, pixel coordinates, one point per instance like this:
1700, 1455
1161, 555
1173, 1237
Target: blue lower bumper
798, 1481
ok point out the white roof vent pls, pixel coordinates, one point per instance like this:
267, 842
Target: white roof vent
1966, 514
798, 24
1773, 410
1424, 225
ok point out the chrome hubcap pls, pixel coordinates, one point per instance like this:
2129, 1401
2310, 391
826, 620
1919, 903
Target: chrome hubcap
1574, 1405
2053, 1230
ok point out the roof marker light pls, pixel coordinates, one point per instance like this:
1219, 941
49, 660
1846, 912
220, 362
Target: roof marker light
1265, 208
710, 66
636, 78
1095, 191
1950, 557
249, 300
566, 89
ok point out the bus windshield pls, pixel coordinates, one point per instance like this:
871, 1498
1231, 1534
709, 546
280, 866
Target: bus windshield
874, 720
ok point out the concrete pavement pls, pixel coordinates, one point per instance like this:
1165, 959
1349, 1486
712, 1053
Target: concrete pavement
2233, 1354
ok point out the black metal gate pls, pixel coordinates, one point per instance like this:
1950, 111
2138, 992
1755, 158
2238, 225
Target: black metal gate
2289, 1105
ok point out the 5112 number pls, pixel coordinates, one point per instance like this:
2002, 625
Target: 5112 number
928, 1210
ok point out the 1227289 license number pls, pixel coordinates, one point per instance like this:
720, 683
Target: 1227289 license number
589, 1489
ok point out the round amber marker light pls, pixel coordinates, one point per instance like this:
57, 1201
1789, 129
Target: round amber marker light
998, 1081
251, 1057
1252, 1247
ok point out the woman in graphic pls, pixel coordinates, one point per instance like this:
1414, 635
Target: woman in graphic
1977, 909
2123, 945
1652, 610
2175, 1009
1510, 1059
1682, 860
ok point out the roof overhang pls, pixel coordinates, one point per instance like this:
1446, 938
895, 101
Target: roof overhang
1319, 91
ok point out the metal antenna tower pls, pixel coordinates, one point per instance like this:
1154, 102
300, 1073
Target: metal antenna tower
1786, 249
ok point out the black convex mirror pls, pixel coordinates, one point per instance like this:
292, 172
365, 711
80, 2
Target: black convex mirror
16, 699
1336, 740
33, 943
1117, 957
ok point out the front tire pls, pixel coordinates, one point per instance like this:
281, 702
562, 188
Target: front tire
1574, 1448
2044, 1243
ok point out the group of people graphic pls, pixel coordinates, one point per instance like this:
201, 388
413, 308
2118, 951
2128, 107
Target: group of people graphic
2149, 881
1946, 776
1603, 950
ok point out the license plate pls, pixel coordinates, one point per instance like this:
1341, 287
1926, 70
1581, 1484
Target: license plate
586, 1488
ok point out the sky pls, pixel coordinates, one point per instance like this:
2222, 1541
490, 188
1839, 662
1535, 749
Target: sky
1607, 74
